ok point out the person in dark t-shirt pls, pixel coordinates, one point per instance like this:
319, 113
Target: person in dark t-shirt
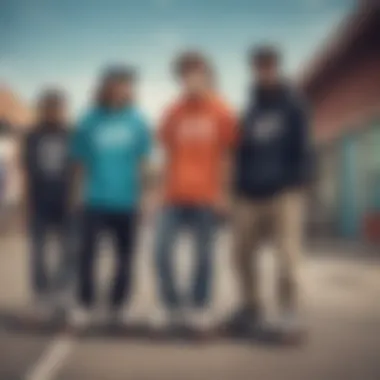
46, 168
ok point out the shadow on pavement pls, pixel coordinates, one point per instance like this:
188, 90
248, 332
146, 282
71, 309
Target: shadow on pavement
22, 322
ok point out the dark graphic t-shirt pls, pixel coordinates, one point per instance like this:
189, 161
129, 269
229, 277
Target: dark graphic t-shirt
47, 169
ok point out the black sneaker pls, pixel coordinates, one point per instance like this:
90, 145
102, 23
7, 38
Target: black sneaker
292, 329
242, 322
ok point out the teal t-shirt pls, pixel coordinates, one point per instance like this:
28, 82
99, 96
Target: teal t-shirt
111, 146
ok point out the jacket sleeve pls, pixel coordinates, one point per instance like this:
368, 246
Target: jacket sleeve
25, 151
145, 141
301, 154
241, 140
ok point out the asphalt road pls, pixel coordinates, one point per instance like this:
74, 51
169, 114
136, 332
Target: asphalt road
342, 311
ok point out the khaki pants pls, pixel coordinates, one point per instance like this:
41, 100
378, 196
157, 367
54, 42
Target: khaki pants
283, 215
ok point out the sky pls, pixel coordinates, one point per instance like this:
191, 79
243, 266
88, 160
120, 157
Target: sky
68, 42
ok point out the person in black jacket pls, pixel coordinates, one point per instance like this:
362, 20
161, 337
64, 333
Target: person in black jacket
46, 173
272, 162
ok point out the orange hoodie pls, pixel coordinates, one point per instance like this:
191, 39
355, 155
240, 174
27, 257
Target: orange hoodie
196, 134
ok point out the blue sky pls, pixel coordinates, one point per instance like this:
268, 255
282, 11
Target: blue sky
66, 42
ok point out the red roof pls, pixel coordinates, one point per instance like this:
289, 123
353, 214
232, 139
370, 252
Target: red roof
12, 109
347, 37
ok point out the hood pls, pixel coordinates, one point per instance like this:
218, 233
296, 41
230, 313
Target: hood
263, 96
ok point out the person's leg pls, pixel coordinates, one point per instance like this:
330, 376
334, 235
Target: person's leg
289, 231
123, 229
203, 224
245, 243
168, 227
92, 225
38, 236
66, 268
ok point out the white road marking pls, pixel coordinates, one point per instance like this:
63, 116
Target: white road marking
52, 359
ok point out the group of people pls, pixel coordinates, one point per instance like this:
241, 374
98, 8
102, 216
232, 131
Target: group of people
253, 170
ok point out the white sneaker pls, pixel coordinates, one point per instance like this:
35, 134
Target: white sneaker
164, 319
118, 317
177, 318
159, 319
63, 301
42, 307
200, 320
80, 318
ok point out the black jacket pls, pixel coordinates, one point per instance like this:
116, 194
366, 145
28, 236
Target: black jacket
273, 152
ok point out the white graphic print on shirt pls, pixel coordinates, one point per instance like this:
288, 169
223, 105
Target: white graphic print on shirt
51, 155
113, 135
267, 126
197, 128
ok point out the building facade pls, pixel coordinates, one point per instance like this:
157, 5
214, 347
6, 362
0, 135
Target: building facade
15, 116
343, 85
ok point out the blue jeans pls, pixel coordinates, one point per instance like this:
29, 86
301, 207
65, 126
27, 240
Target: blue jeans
201, 223
122, 226
44, 281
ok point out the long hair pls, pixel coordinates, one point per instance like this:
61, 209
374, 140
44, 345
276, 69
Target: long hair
102, 98
111, 76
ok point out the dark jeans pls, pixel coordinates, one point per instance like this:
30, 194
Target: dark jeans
43, 281
122, 228
201, 223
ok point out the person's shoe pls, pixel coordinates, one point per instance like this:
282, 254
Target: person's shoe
177, 326
117, 318
64, 300
42, 308
177, 318
291, 328
243, 322
62, 306
200, 323
159, 320
80, 318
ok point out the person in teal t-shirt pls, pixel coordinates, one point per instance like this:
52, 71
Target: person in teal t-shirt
109, 147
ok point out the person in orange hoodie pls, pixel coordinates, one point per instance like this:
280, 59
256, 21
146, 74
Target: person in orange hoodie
197, 133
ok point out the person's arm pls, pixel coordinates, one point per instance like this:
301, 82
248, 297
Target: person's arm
302, 145
76, 186
78, 148
144, 151
165, 139
229, 137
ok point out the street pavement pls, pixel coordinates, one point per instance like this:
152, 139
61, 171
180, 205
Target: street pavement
341, 307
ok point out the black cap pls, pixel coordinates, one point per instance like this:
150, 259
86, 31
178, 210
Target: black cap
119, 72
264, 54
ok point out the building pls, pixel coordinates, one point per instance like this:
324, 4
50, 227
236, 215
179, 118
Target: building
343, 85
13, 111
15, 116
